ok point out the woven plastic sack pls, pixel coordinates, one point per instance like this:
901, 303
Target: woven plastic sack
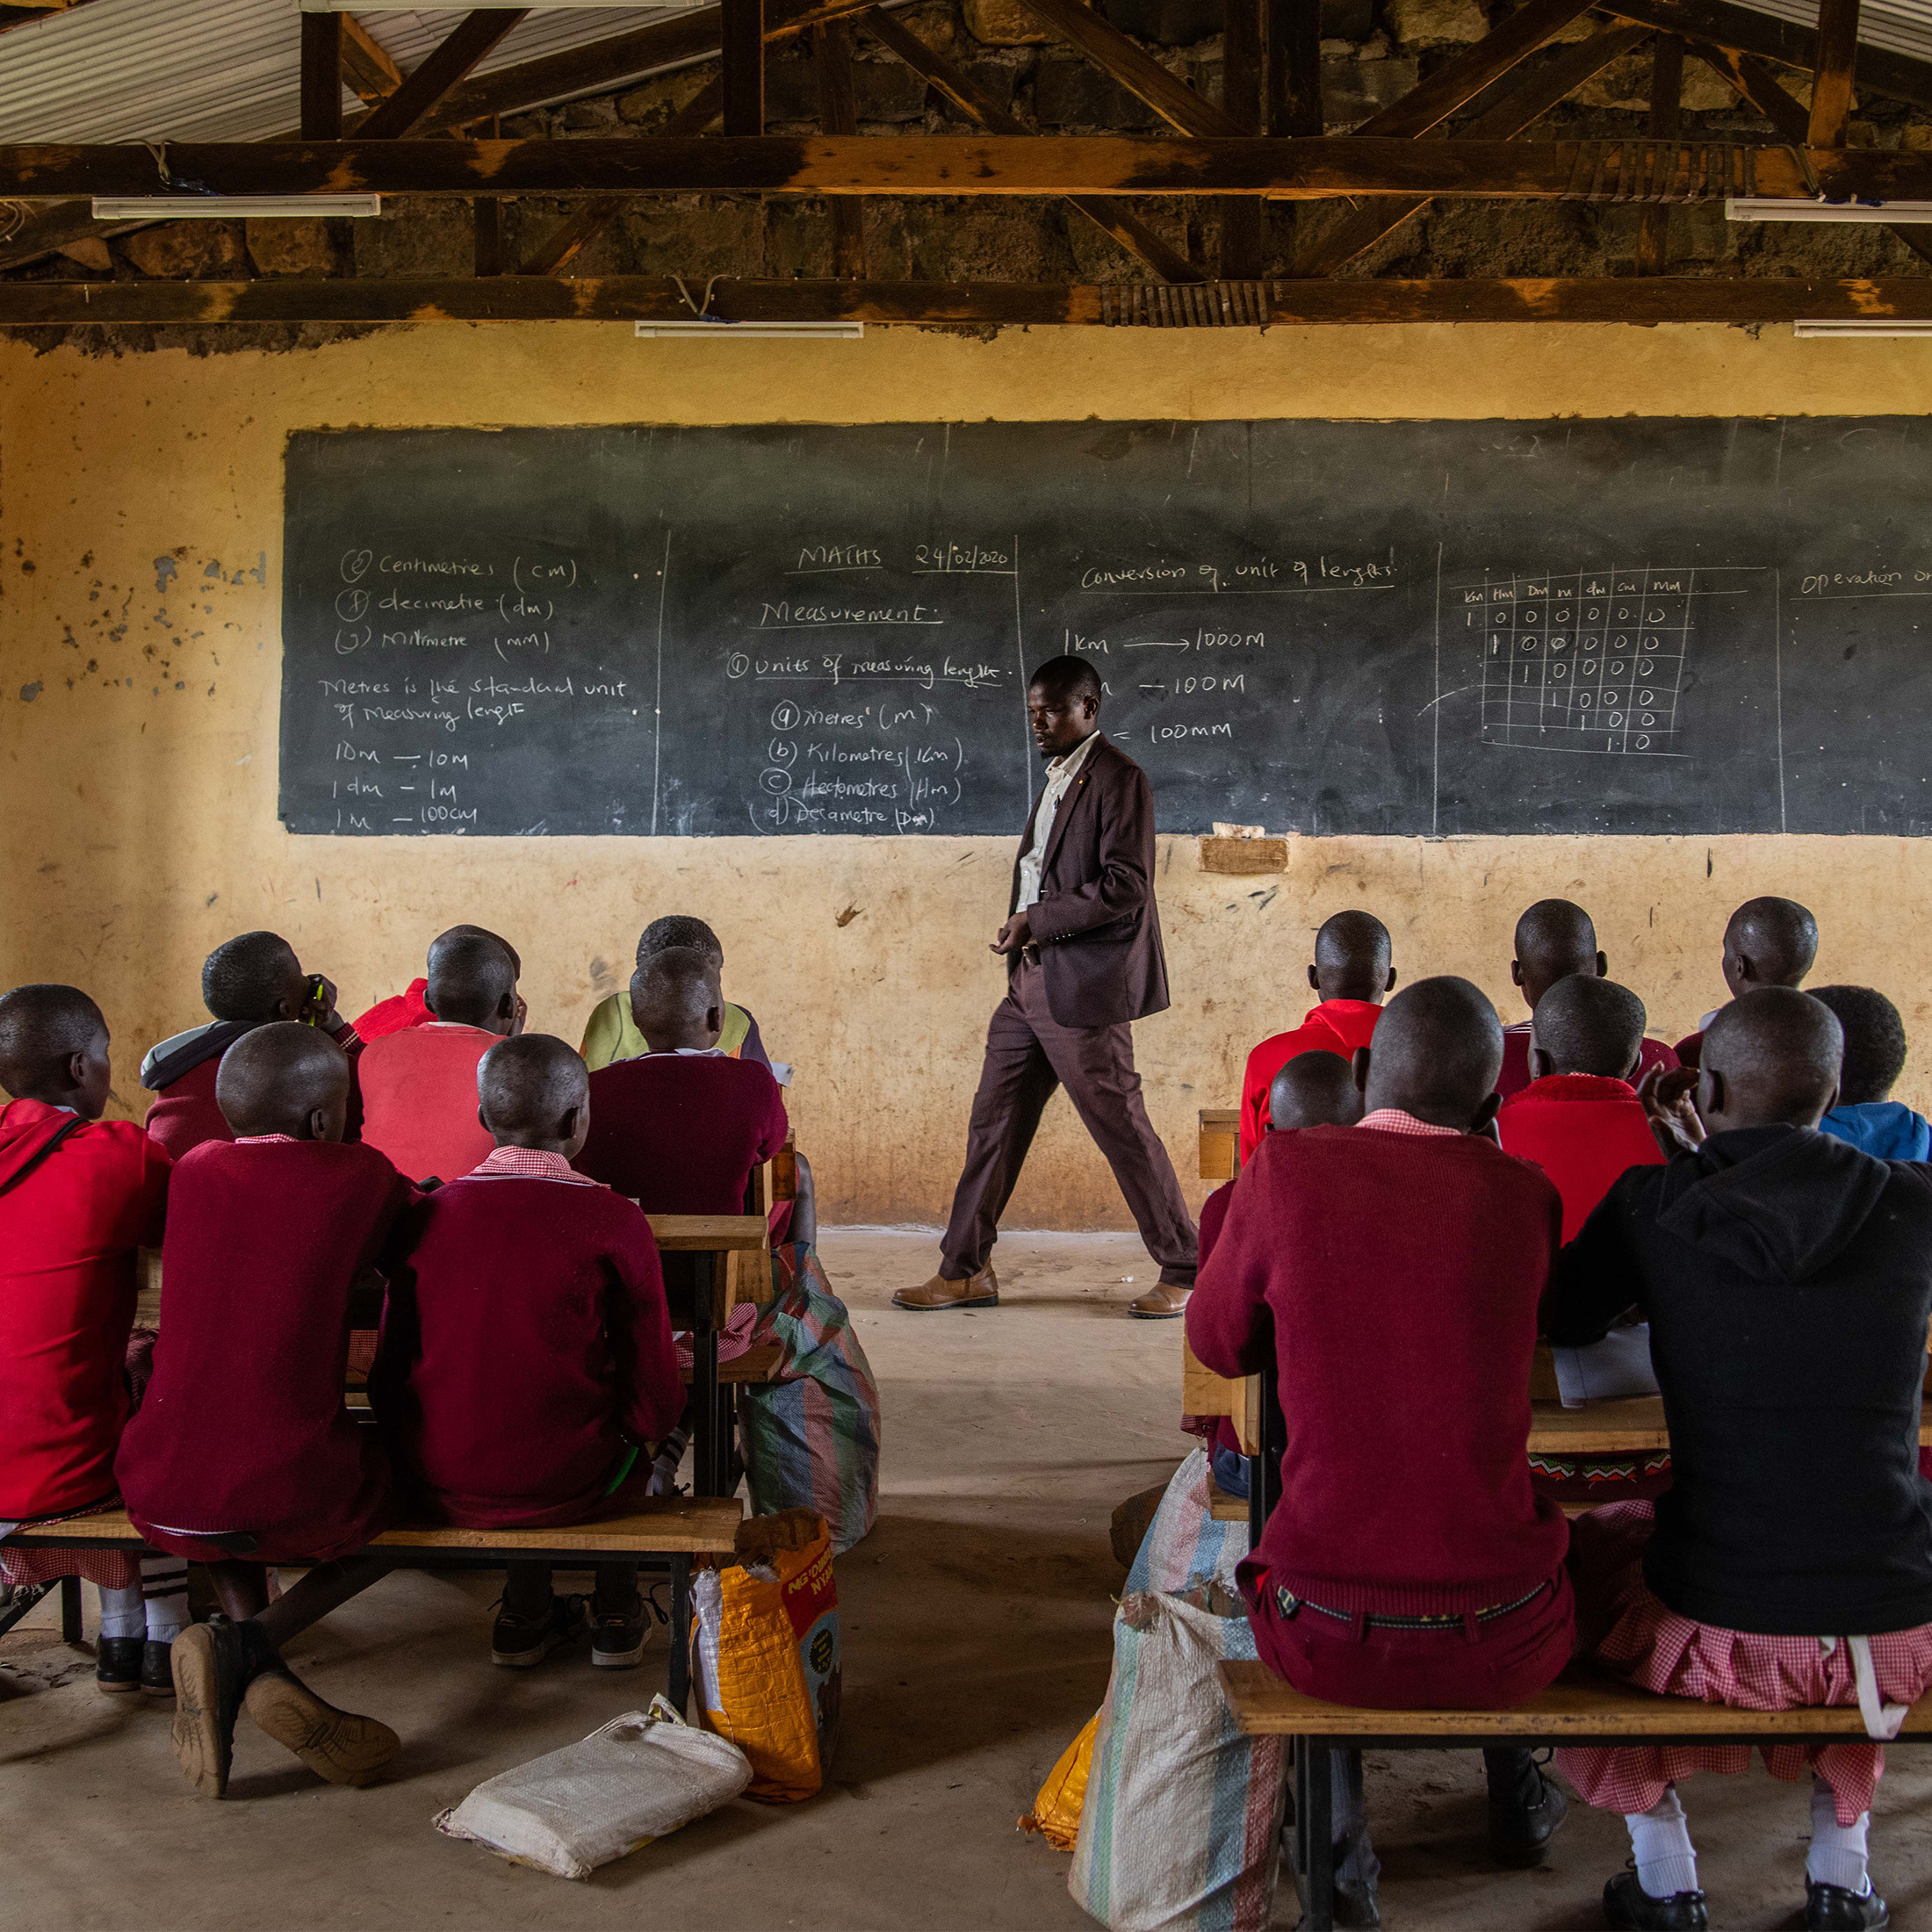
1181, 1827
637, 1778
1056, 1813
765, 1661
811, 1435
1183, 1545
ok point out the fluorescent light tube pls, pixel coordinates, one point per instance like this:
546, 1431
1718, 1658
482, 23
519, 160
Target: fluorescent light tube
1875, 325
721, 331
231, 208
1747, 209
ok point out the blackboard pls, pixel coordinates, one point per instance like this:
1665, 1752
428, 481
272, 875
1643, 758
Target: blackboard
1638, 625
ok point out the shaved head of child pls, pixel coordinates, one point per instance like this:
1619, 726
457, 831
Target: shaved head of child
1554, 939
1768, 942
534, 1091
1770, 1058
458, 933
679, 931
1352, 953
1874, 1042
675, 1000
54, 1049
284, 1078
1587, 1025
254, 977
1315, 1089
1436, 1052
473, 982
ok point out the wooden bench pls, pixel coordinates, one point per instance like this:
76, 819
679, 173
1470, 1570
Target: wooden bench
1583, 1706
669, 1531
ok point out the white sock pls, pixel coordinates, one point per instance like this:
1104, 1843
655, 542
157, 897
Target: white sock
1837, 1853
1666, 1861
121, 1611
164, 1585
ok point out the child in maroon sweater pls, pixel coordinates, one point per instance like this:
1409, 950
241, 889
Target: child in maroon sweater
680, 1129
246, 983
242, 1454
1391, 1273
526, 1357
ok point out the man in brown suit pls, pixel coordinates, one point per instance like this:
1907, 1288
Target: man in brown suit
1083, 947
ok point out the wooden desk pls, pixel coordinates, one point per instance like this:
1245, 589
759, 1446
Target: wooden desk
696, 1251
1220, 1142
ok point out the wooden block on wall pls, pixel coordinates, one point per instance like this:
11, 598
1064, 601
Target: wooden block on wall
1243, 857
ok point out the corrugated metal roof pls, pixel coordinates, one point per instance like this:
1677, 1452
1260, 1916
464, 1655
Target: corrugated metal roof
118, 70
1898, 26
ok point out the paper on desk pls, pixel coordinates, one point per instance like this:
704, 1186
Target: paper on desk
1617, 1365
781, 1071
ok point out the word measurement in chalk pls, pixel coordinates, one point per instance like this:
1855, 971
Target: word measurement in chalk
1592, 660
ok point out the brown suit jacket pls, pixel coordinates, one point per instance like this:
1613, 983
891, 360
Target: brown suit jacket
1096, 925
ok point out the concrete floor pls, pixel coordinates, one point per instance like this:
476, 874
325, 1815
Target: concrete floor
975, 1624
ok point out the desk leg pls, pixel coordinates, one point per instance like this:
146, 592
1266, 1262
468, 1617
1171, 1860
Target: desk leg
71, 1610
681, 1632
1314, 1802
708, 1478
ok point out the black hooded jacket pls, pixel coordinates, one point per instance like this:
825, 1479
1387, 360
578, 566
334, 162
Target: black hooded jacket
1787, 1278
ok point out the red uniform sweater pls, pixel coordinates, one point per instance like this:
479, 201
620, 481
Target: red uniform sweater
395, 1014
1334, 1026
419, 1099
183, 1113
1515, 1075
69, 1230
243, 1427
679, 1133
526, 1342
1582, 1132
1395, 1282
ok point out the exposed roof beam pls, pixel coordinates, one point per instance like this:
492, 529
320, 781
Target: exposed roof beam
742, 53
1770, 39
440, 70
321, 84
1136, 70
1831, 89
839, 114
1666, 114
367, 65
959, 87
993, 164
1533, 97
1646, 299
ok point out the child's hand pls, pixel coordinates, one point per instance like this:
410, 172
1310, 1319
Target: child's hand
320, 1008
1670, 1104
521, 1017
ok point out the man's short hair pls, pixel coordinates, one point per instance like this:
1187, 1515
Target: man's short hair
680, 983
679, 931
1557, 932
1778, 936
41, 1027
470, 978
243, 977
1875, 1041
1588, 1025
526, 1084
1067, 677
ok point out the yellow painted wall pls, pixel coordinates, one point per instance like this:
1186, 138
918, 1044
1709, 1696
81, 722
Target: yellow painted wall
138, 779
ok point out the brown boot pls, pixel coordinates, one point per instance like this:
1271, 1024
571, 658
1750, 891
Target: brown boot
1161, 1303
979, 1291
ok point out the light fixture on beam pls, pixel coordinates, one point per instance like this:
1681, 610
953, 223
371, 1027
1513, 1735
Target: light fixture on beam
717, 329
1748, 208
1868, 326
234, 207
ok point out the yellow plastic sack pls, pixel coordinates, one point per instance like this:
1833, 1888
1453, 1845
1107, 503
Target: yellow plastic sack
765, 1667
1056, 1813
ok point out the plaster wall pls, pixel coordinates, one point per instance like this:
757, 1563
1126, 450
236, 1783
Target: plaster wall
139, 592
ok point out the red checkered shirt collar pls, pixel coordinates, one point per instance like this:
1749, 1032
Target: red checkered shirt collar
1393, 1120
528, 1164
263, 1140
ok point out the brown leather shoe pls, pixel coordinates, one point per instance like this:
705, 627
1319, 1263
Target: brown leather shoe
1161, 1303
979, 1291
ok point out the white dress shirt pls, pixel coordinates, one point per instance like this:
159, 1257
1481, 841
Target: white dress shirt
1060, 775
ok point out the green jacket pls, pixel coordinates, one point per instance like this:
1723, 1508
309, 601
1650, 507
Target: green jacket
612, 1034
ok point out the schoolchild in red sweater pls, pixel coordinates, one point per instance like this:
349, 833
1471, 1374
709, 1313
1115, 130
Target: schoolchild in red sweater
242, 1453
1556, 939
680, 1127
1352, 973
78, 1196
247, 981
1391, 1273
418, 1085
527, 1362
410, 1007
1768, 942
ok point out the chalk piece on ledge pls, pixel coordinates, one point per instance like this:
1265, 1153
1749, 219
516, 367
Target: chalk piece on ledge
1245, 857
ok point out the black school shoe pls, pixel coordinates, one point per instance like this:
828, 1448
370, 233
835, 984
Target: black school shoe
522, 1643
157, 1677
1526, 1809
617, 1638
1831, 1908
117, 1665
1626, 1905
